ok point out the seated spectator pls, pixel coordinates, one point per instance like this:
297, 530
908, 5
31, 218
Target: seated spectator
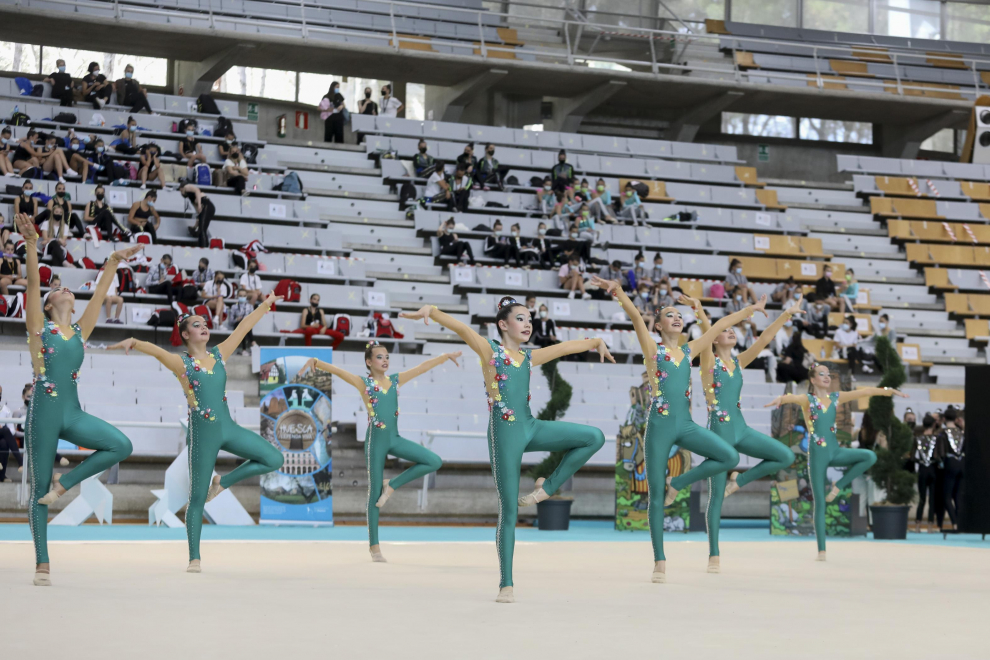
658, 272
816, 323
638, 273
547, 197
565, 210
736, 300
27, 154
128, 142
632, 208
519, 244
437, 189
460, 189
451, 244
229, 140
601, 203
11, 268
78, 161
562, 177
366, 106
190, 150
100, 161
100, 215
783, 337
96, 89
586, 225
825, 290
143, 217
571, 278
332, 108
53, 159
313, 321
583, 188
8, 441
885, 329
544, 329
151, 165
613, 272
237, 170
487, 175
113, 298
130, 92
161, 279
736, 281
7, 146
237, 312
498, 246
538, 251
59, 210
850, 291
214, 294
747, 334
423, 163
665, 295
203, 273
205, 210
846, 339
468, 160
531, 306
61, 83
785, 290
645, 300
573, 245
790, 366
390, 105
251, 282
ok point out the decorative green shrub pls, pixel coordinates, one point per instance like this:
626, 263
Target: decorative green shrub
888, 472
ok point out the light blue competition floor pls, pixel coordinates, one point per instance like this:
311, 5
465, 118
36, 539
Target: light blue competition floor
581, 530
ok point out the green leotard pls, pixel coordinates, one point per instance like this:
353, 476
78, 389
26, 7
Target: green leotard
726, 419
383, 439
670, 424
54, 413
512, 430
824, 452
210, 430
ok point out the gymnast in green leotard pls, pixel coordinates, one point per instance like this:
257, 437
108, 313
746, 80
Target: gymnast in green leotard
824, 451
381, 398
669, 422
203, 376
722, 378
512, 429
56, 345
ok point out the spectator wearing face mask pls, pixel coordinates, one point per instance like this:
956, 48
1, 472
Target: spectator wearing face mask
736, 301
251, 282
11, 271
460, 189
825, 290
127, 144
784, 336
7, 148
632, 208
77, 155
151, 166
214, 294
498, 246
816, 321
58, 220
562, 177
130, 92
638, 274
332, 113
113, 298
96, 88
99, 159
573, 245
737, 281
586, 225
8, 443
518, 244
100, 215
451, 244
847, 340
423, 163
27, 153
601, 203
665, 294
366, 106
237, 313
190, 150
544, 329
143, 217
437, 189
790, 366
61, 83
237, 171
203, 273
546, 197
747, 335
785, 290
313, 321
53, 159
541, 247
645, 300
571, 278
468, 160
229, 140
658, 272
613, 273
161, 279
487, 175
885, 329
390, 105
850, 291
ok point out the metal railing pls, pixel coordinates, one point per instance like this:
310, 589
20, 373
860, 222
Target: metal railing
570, 51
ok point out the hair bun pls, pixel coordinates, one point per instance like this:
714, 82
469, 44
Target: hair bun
506, 301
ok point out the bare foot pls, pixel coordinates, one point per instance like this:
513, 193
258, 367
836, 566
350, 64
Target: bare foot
821, 556
56, 492
671, 494
660, 572
195, 566
713, 565
63, 461
42, 576
538, 494
832, 494
505, 595
376, 554
731, 486
215, 488
386, 493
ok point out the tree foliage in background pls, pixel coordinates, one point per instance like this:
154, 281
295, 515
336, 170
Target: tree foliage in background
889, 472
560, 401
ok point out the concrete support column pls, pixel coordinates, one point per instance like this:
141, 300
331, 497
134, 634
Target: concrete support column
685, 128
198, 77
904, 141
568, 113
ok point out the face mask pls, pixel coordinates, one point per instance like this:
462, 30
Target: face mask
151, 204
448, 228
128, 74
367, 95
828, 276
639, 264
422, 150
584, 214
788, 324
61, 69
574, 234
541, 231
384, 93
629, 193
202, 268
333, 91
242, 299
7, 140
74, 146
644, 294
491, 153
547, 188
100, 150
190, 133
516, 234
739, 297
845, 326
663, 292
60, 195
848, 278
562, 159
314, 305
882, 325
96, 73
543, 313
498, 232
28, 191
131, 127
99, 197
252, 269
230, 141
738, 271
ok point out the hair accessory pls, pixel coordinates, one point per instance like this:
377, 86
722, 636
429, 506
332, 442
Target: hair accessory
506, 302
371, 343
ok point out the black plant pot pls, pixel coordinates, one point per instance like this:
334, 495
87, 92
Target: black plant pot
890, 522
554, 515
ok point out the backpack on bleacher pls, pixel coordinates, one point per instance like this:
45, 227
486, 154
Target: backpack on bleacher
250, 153
406, 193
19, 119
290, 290
64, 118
291, 184
204, 176
125, 280
342, 324
206, 105
223, 127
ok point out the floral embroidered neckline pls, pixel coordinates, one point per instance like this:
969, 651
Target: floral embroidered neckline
499, 360
372, 388
814, 407
194, 367
716, 372
662, 406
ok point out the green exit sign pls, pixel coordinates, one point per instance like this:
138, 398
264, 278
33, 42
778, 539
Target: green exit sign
763, 152
252, 112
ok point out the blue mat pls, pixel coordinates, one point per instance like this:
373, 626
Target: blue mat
581, 530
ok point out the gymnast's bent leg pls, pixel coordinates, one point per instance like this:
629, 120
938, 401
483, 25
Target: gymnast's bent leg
720, 455
261, 455
776, 456
91, 432
580, 442
858, 460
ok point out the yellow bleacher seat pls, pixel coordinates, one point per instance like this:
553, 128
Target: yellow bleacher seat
967, 304
976, 190
977, 328
412, 42
871, 54
828, 82
897, 185
946, 60
693, 289
849, 68
948, 255
938, 278
769, 199
715, 26
947, 395
821, 349
902, 207
748, 176
912, 356
745, 60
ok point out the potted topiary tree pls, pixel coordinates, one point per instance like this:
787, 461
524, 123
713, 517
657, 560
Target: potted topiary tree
890, 517
553, 514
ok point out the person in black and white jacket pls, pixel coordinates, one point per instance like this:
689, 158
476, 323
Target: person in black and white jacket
251, 282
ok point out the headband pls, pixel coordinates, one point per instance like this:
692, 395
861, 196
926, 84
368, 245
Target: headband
371, 344
507, 302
